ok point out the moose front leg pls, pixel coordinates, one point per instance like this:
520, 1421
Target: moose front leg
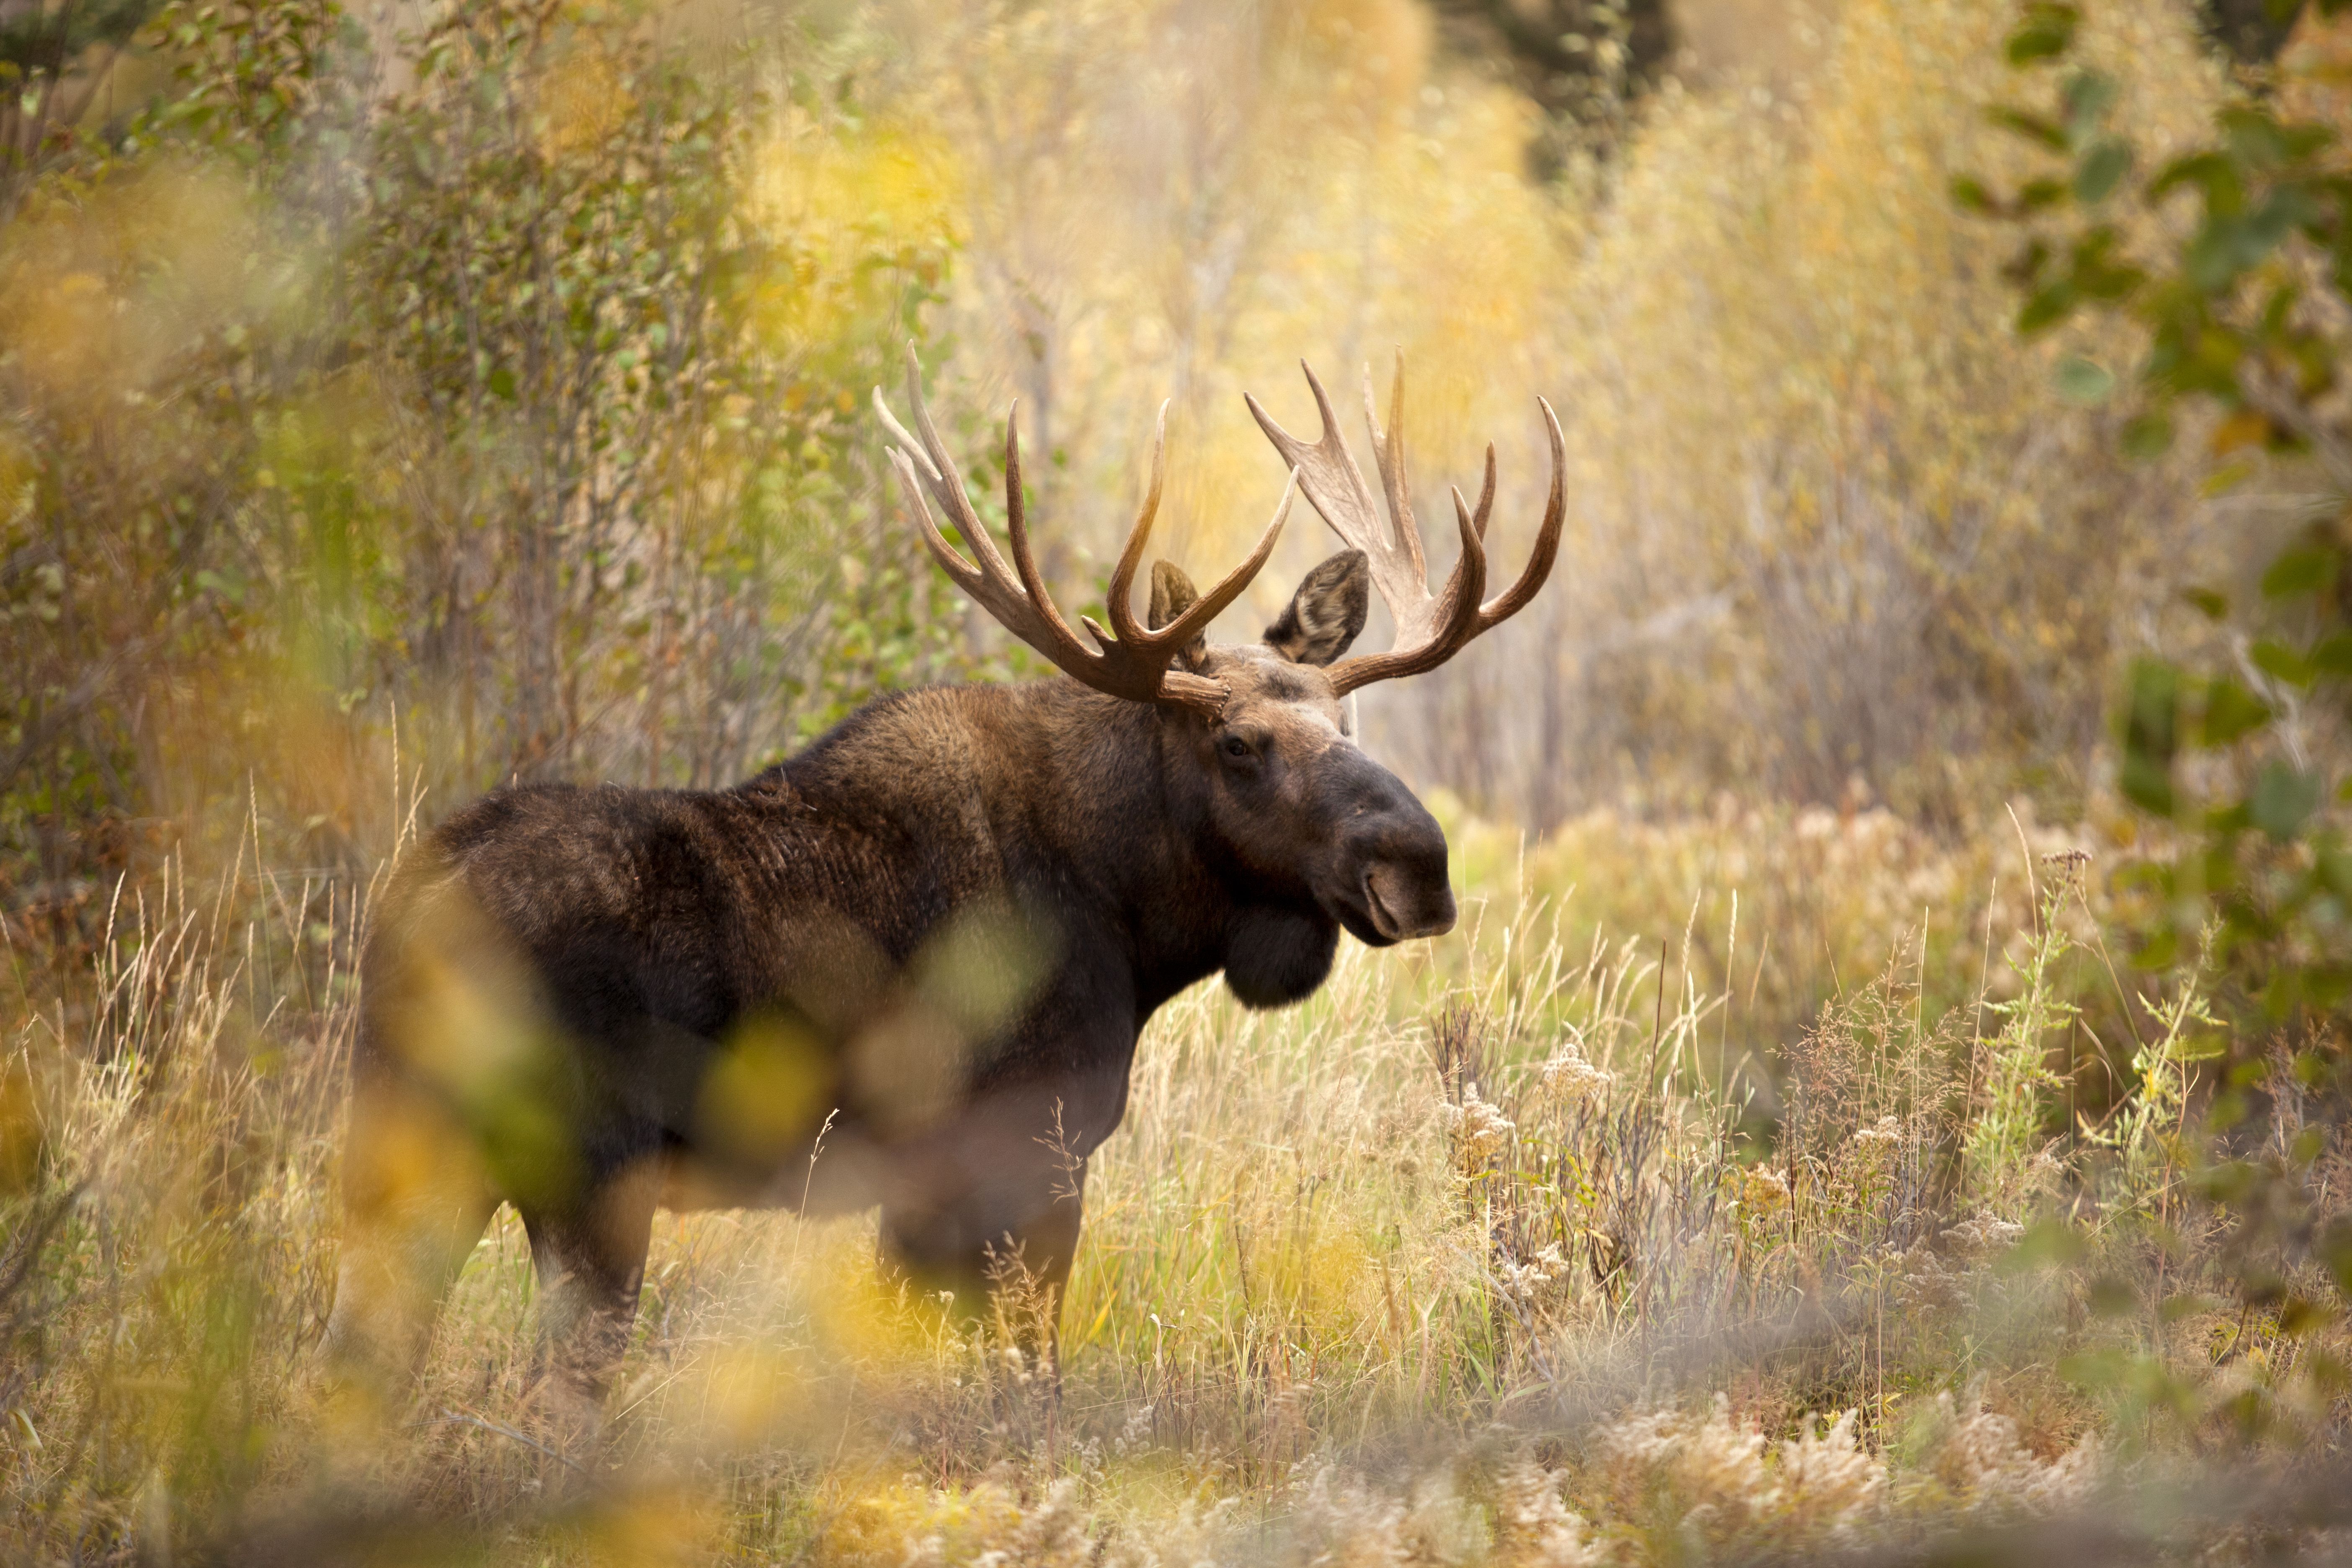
989, 1208
1003, 1250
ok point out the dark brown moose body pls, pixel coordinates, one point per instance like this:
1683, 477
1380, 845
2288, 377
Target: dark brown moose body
908, 966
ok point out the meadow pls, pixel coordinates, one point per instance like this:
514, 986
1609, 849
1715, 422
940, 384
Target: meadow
1541, 1242
1884, 1100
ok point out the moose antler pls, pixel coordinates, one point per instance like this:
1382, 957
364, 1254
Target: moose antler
1429, 629
1132, 662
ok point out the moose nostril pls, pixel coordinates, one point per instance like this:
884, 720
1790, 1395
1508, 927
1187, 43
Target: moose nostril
1405, 901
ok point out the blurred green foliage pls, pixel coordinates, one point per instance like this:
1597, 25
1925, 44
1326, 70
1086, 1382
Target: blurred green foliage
2233, 261
458, 384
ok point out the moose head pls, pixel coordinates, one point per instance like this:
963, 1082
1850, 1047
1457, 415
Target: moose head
1259, 734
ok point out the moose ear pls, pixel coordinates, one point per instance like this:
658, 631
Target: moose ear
1326, 612
1172, 594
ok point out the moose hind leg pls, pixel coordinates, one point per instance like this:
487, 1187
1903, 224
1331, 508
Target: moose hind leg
416, 1200
591, 1257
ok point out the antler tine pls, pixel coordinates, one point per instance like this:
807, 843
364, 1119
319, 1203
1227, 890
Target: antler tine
1133, 665
1487, 491
1387, 451
989, 581
967, 577
1120, 596
1430, 628
1515, 598
1032, 582
923, 466
1328, 473
948, 484
1336, 486
1454, 619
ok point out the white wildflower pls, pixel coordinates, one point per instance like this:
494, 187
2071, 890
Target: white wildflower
1535, 1281
1720, 1465
2068, 1480
1480, 1131
1880, 1140
990, 1518
1823, 1482
1341, 1523
1924, 1282
1572, 1078
1763, 1189
1980, 1457
1982, 1236
1339, 1520
1643, 1439
1826, 1479
1534, 1526
1716, 1467
1134, 1436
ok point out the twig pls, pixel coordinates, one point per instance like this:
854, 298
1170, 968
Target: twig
449, 1417
1657, 1020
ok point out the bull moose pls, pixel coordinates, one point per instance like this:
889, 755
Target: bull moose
908, 966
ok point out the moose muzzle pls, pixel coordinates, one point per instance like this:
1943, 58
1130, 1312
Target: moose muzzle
1392, 860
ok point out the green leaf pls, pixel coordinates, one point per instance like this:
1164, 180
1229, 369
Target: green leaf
2147, 436
2205, 1049
2230, 712
2227, 1182
2214, 606
2036, 195
2151, 735
2046, 1243
2333, 1246
2046, 32
2275, 659
2102, 169
2083, 381
2282, 800
2214, 175
2333, 656
2301, 569
2034, 127
2113, 1297
2088, 95
2225, 478
2107, 1368
2254, 134
1969, 194
2046, 309
502, 383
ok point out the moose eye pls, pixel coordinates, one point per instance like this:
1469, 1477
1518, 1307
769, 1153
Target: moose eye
1236, 748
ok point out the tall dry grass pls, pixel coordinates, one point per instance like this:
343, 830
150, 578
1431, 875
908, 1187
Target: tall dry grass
1477, 1257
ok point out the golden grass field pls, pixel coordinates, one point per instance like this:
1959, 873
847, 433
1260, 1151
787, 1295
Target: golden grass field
1476, 1257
